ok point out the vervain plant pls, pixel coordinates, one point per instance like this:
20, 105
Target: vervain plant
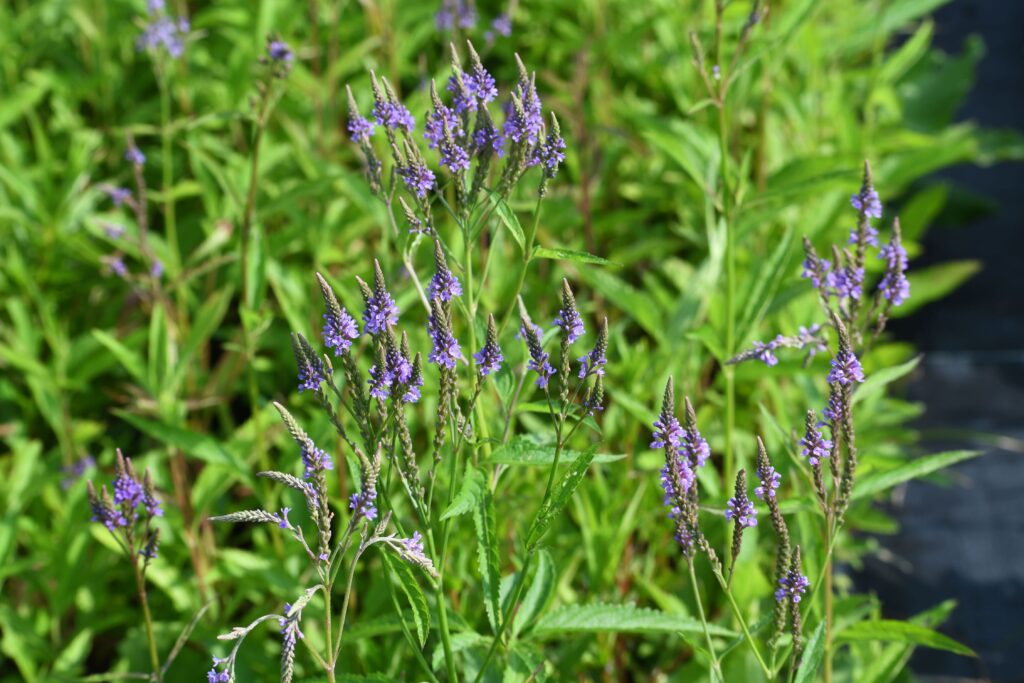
370, 408
130, 516
842, 287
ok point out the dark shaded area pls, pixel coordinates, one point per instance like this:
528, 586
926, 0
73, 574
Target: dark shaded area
966, 540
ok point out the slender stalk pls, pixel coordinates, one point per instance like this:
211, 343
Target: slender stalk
344, 608
743, 625
527, 254
140, 585
331, 657
715, 665
827, 587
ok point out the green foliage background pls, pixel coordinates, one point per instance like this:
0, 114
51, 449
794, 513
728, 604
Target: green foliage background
86, 367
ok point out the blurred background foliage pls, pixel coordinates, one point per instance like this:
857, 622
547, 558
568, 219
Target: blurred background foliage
89, 364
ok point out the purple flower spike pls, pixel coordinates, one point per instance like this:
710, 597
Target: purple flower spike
362, 504
502, 25
894, 285
393, 115
770, 481
480, 85
314, 460
360, 129
571, 324
280, 52
381, 312
446, 351
133, 156
814, 446
538, 357
866, 201
437, 120
742, 510
489, 358
793, 585
667, 431
846, 369
870, 236
444, 285
118, 195
339, 332
417, 178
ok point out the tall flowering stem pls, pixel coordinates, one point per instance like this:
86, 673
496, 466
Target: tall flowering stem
129, 516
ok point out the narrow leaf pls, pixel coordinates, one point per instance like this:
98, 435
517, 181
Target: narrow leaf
559, 254
812, 656
622, 618
487, 558
407, 582
890, 630
873, 483
559, 497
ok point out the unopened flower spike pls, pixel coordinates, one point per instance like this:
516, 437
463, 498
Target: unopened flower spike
593, 363
594, 399
489, 358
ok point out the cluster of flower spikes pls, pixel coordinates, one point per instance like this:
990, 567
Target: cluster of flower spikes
463, 133
571, 329
132, 509
843, 276
685, 451
841, 279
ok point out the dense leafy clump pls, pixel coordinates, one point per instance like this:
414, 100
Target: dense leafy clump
318, 285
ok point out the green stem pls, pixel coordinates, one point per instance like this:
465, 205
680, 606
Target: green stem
140, 584
167, 163
715, 665
827, 587
344, 608
730, 298
527, 254
331, 660
743, 625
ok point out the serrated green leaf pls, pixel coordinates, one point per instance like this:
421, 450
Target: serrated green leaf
561, 494
487, 558
473, 488
874, 483
559, 254
411, 588
890, 630
537, 595
619, 618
